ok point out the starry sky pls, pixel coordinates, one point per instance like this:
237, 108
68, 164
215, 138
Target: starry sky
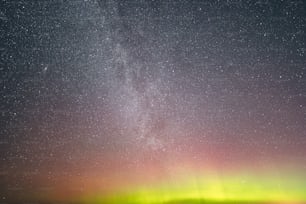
100, 96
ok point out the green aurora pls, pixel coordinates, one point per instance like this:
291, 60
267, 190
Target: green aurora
239, 189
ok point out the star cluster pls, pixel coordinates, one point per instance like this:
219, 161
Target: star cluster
100, 95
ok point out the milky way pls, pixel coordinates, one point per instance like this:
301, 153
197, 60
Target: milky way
100, 96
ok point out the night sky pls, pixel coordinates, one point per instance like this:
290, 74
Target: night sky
103, 97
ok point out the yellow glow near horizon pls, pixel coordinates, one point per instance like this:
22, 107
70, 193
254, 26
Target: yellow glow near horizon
225, 189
